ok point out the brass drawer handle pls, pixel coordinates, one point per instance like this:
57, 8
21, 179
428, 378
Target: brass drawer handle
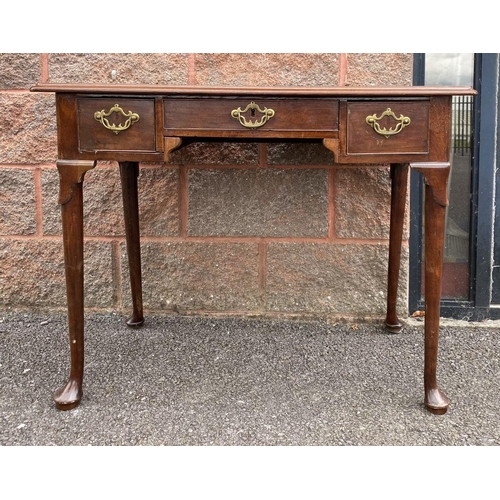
403, 121
238, 113
102, 117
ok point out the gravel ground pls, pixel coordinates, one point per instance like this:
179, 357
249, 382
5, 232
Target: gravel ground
204, 381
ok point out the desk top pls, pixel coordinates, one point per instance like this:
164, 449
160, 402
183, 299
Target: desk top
263, 91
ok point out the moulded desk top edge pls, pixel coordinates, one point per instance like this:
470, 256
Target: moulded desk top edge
395, 91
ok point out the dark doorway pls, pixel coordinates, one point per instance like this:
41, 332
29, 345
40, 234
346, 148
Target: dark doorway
471, 268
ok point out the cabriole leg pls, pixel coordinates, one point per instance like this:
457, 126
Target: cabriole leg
399, 180
129, 171
436, 201
71, 175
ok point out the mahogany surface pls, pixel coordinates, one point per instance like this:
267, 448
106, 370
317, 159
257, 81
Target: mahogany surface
406, 127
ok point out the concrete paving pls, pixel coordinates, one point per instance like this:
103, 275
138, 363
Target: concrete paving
204, 381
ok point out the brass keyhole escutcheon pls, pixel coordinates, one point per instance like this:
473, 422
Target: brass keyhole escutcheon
402, 122
238, 114
102, 117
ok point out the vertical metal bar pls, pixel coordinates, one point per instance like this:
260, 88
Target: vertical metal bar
485, 178
416, 204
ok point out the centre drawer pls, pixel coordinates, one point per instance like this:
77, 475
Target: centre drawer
251, 117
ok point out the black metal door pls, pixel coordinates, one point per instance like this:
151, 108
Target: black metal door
475, 279
495, 295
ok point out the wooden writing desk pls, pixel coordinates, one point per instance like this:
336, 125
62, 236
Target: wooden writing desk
402, 126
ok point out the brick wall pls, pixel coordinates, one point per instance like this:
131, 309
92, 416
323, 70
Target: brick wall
248, 229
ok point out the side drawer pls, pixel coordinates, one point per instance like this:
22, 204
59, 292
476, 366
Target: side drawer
116, 124
388, 127
251, 116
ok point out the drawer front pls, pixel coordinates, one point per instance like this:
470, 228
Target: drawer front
238, 116
388, 127
116, 124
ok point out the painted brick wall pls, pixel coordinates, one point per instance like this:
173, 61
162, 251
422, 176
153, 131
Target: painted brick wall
247, 229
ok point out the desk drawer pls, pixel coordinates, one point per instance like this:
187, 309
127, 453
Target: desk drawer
116, 124
390, 127
251, 117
